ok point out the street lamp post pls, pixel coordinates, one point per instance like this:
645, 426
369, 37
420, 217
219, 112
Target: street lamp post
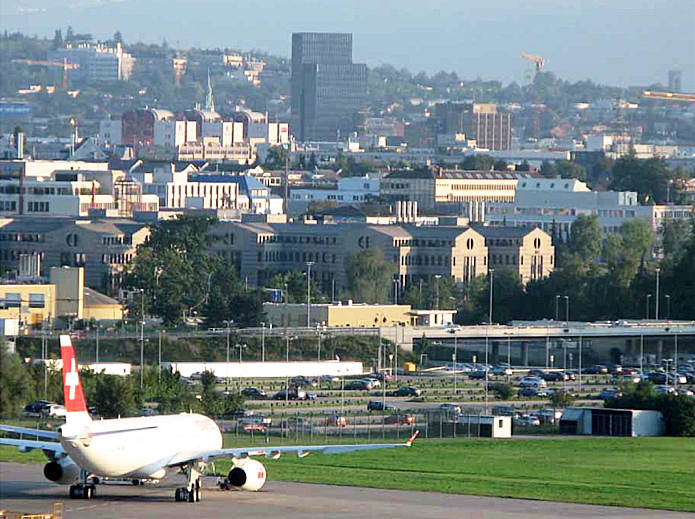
228, 331
142, 337
567, 309
437, 276
159, 360
668, 306
487, 338
308, 293
241, 347
656, 307
557, 307
649, 296
667, 362
263, 343
395, 292
675, 358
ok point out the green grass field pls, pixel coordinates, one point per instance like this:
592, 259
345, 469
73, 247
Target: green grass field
635, 472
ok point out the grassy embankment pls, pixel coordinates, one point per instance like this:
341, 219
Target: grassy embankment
635, 472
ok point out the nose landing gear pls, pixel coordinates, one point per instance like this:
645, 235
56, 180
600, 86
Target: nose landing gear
192, 492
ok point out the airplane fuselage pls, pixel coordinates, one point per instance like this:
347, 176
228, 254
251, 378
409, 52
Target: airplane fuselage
139, 447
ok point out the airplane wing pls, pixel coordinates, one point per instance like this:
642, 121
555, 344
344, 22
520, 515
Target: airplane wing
29, 445
36, 433
275, 452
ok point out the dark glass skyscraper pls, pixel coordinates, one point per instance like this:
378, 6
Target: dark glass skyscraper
327, 87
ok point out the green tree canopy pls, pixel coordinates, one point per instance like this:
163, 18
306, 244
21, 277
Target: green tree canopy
369, 277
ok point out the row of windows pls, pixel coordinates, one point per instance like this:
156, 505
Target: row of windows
479, 187
14, 300
38, 207
13, 254
289, 256
422, 242
14, 236
424, 259
118, 240
8, 206
317, 240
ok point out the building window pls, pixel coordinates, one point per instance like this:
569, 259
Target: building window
37, 301
11, 300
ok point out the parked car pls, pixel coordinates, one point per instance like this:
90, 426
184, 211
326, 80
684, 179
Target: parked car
55, 410
294, 394
400, 419
598, 369
664, 390
381, 376
478, 375
503, 371
685, 392
406, 391
533, 392
302, 381
336, 420
378, 405
240, 413
363, 385
254, 393
36, 407
450, 408
375, 382
607, 394
554, 376
549, 416
536, 382
526, 421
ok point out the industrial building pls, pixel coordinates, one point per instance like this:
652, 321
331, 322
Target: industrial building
611, 422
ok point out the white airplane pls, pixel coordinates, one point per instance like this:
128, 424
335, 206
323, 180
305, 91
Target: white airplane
145, 447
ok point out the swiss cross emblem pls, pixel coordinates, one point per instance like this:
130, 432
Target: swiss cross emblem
72, 379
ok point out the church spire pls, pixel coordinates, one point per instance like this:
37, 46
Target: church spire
209, 98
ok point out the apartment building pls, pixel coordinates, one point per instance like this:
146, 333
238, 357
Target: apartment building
479, 122
97, 63
260, 250
528, 252
103, 246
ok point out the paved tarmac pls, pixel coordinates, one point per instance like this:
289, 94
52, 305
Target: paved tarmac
23, 489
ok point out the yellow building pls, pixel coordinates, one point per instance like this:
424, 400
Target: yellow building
65, 296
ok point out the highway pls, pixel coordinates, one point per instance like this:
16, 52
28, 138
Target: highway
25, 490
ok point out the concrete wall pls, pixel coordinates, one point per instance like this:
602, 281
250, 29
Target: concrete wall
236, 369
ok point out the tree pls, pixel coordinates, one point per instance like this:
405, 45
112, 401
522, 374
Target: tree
675, 235
478, 162
57, 39
15, 389
275, 159
585, 238
69, 34
114, 396
548, 169
637, 239
174, 268
567, 169
561, 398
369, 276
503, 391
650, 178
118, 37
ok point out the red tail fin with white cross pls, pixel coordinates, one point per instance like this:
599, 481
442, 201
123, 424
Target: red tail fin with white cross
75, 404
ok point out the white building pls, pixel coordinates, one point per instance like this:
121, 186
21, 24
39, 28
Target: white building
97, 63
554, 204
350, 190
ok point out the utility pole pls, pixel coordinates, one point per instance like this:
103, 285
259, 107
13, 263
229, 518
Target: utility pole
308, 293
142, 337
287, 178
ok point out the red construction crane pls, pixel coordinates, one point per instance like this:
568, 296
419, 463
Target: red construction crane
62, 64
540, 62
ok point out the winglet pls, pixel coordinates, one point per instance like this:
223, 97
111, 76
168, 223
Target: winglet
412, 438
75, 404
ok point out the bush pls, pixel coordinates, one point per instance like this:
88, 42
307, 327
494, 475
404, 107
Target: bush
503, 391
678, 410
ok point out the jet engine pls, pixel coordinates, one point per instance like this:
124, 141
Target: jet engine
63, 472
247, 474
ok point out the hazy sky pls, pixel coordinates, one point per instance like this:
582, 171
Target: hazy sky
619, 42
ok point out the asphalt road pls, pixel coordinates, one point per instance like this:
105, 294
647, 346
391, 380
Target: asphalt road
23, 489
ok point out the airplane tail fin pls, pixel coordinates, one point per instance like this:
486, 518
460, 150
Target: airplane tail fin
75, 404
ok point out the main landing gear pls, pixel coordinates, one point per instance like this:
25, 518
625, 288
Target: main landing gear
192, 492
83, 491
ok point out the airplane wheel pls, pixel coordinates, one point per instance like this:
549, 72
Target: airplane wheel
74, 492
181, 494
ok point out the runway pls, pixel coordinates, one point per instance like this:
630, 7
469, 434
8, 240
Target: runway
23, 489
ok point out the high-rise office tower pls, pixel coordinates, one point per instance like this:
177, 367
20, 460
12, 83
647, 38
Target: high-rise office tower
675, 80
327, 87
